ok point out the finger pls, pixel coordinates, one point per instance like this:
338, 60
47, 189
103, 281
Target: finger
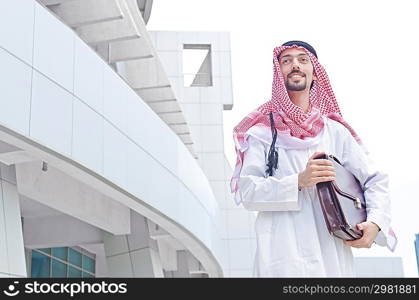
316, 154
323, 174
355, 246
354, 243
362, 226
363, 245
323, 179
351, 243
320, 162
363, 242
322, 168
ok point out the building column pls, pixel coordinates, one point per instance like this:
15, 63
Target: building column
12, 252
135, 254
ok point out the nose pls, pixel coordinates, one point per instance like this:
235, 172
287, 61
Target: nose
295, 64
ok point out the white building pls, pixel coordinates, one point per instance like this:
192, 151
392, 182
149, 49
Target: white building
109, 165
112, 158
379, 267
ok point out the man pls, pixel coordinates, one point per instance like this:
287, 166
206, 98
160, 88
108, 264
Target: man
276, 173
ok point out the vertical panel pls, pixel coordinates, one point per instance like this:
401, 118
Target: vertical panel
142, 263
115, 100
120, 265
115, 244
51, 114
88, 76
139, 120
4, 257
15, 248
53, 48
19, 16
15, 87
115, 155
87, 146
138, 172
8, 173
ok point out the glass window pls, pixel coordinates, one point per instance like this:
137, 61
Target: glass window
52, 262
88, 264
73, 272
58, 269
197, 65
74, 257
87, 275
60, 252
46, 250
40, 265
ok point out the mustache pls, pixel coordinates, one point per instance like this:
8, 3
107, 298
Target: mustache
296, 72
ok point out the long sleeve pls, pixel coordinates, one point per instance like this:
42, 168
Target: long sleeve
260, 193
375, 184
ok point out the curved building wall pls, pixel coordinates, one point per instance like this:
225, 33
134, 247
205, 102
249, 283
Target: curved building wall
57, 93
203, 107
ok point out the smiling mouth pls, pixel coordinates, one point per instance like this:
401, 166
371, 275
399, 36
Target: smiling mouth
295, 76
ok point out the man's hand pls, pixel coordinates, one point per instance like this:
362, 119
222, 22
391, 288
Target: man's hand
317, 170
369, 233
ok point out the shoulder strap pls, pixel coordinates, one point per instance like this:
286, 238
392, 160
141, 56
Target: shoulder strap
273, 154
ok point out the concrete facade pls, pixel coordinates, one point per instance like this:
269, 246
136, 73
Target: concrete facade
12, 253
104, 149
90, 150
203, 107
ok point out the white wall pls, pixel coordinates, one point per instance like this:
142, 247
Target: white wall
203, 107
59, 93
12, 253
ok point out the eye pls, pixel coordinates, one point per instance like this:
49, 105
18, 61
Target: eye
285, 61
304, 59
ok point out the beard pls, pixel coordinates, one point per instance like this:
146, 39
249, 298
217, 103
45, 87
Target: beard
296, 86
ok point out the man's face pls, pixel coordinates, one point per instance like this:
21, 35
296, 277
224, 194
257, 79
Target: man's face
297, 69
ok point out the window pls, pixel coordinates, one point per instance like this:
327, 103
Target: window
74, 257
40, 265
197, 65
74, 273
62, 262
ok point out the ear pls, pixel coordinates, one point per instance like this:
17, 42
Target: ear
314, 76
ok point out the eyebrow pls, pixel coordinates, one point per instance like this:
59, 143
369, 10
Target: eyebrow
289, 55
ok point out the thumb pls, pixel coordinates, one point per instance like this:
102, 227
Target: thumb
316, 154
361, 226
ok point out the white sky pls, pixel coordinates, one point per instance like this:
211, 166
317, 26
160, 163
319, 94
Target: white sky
370, 51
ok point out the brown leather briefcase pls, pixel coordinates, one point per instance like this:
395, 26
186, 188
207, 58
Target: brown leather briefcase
342, 202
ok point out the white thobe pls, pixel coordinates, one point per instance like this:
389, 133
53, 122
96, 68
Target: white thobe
292, 237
